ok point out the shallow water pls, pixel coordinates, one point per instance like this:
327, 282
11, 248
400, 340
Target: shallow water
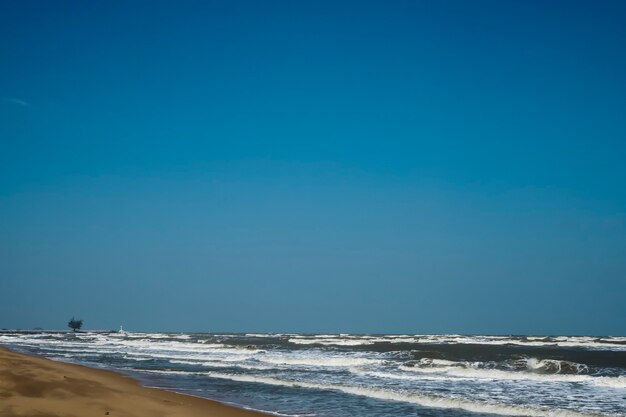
365, 375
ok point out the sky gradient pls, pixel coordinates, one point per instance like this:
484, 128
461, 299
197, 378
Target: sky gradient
420, 167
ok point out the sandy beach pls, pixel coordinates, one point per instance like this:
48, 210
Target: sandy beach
38, 387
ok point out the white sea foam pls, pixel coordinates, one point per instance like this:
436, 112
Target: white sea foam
170, 372
535, 341
555, 366
274, 413
222, 364
565, 341
197, 357
546, 366
439, 362
422, 400
400, 376
328, 342
198, 363
319, 361
474, 372
611, 382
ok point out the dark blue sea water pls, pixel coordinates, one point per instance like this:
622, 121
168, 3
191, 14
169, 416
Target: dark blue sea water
363, 375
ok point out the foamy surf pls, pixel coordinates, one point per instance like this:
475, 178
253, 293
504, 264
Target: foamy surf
367, 375
421, 400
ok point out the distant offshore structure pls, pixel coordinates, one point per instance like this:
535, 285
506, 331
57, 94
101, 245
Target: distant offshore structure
121, 330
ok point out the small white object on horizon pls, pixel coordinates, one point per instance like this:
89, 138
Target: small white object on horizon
121, 330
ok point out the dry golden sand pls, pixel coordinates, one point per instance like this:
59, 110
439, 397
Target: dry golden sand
38, 387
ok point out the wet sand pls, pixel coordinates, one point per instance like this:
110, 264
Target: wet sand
39, 387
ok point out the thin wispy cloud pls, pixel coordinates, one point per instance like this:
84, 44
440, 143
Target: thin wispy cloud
17, 101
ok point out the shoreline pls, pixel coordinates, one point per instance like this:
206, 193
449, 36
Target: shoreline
32, 385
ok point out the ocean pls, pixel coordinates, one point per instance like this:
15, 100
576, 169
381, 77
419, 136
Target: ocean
331, 375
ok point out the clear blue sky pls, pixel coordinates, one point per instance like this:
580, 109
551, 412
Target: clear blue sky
314, 166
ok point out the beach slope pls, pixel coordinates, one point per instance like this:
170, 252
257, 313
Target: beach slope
38, 387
